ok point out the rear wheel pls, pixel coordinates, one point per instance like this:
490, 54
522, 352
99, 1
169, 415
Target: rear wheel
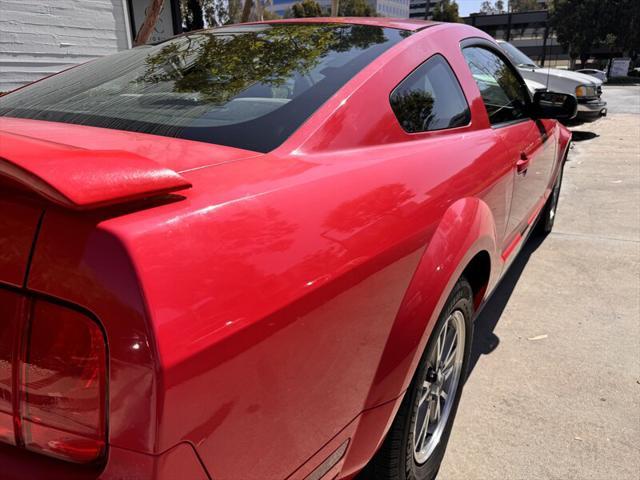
416, 442
548, 215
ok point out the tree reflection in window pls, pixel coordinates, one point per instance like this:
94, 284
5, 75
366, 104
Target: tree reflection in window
219, 67
502, 93
245, 86
430, 98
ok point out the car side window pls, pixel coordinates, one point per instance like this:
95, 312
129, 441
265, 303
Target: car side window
430, 98
501, 91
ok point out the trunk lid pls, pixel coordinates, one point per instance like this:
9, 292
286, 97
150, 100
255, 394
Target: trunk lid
172, 153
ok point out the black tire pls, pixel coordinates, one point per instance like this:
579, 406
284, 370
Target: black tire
548, 214
395, 459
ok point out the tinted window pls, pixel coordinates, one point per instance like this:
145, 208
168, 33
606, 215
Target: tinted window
243, 86
516, 56
501, 91
430, 98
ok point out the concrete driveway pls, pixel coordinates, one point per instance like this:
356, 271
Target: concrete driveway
554, 391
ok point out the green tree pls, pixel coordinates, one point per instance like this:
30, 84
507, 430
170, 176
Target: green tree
446, 11
487, 8
306, 8
269, 15
575, 33
355, 8
523, 5
582, 25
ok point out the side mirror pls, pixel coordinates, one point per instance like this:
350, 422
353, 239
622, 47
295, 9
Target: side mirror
561, 106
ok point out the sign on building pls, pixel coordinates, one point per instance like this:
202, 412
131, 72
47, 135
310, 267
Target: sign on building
619, 67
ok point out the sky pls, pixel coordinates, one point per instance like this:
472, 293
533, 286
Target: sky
465, 7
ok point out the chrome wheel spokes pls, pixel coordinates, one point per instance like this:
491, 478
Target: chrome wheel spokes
439, 388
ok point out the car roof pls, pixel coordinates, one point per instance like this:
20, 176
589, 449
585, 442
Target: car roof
397, 23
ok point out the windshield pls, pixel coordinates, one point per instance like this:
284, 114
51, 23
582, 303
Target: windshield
516, 56
245, 86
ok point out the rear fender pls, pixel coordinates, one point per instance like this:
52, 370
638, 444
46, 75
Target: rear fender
466, 229
563, 142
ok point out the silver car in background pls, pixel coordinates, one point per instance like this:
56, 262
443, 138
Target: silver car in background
592, 72
586, 89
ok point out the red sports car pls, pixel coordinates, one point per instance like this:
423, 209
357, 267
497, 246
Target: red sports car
256, 251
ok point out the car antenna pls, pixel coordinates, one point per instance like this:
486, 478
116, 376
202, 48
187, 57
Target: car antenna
548, 47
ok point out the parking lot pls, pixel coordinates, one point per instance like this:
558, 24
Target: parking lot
554, 390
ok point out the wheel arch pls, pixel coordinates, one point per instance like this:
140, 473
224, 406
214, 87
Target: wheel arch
464, 243
478, 274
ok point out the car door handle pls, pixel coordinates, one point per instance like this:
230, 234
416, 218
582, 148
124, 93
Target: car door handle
523, 164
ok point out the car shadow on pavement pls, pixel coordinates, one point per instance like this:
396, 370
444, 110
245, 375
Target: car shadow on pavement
485, 340
581, 136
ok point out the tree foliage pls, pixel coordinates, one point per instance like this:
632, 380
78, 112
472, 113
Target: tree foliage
488, 8
306, 8
582, 25
198, 14
514, 6
192, 14
523, 5
446, 11
414, 107
220, 67
355, 8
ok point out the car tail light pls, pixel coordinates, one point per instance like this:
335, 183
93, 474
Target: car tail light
58, 379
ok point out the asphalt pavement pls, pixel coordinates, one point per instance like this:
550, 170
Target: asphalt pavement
554, 390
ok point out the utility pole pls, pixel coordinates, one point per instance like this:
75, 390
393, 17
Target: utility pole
544, 40
508, 22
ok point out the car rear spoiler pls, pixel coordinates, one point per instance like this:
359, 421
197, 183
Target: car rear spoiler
81, 179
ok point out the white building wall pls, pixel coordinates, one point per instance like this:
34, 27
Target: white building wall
392, 8
41, 37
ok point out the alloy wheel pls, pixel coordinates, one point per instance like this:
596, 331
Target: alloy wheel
440, 385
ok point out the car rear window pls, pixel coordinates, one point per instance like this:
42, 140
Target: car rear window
247, 86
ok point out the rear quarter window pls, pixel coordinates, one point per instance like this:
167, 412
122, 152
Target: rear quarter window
430, 98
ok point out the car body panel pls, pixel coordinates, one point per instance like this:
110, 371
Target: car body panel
555, 74
599, 74
18, 227
278, 308
533, 144
173, 153
180, 461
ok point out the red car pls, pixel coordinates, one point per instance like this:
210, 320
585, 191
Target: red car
255, 252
